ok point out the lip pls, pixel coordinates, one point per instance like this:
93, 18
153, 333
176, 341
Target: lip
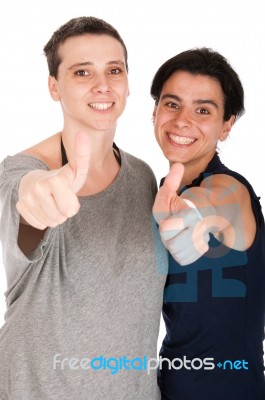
180, 140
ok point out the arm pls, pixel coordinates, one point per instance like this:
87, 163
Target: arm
49, 198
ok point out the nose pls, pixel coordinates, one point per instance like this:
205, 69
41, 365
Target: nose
101, 84
182, 118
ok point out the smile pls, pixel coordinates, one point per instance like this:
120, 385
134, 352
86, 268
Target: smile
180, 139
101, 106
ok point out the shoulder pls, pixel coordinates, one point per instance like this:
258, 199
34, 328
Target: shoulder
140, 172
135, 163
227, 189
19, 164
44, 155
47, 151
219, 174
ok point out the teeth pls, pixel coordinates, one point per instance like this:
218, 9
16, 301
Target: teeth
181, 139
100, 106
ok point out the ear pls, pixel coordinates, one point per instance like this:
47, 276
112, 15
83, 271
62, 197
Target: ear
154, 113
53, 88
227, 128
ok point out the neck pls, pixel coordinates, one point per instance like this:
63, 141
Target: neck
101, 144
194, 168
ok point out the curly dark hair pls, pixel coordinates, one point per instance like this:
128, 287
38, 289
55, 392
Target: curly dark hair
204, 61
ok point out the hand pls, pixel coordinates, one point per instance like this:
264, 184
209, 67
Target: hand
49, 198
182, 228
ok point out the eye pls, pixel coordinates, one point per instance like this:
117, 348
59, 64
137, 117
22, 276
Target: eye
82, 72
115, 71
171, 104
203, 111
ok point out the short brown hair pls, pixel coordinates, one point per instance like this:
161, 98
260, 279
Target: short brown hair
76, 27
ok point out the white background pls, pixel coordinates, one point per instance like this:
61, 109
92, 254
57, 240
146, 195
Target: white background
153, 31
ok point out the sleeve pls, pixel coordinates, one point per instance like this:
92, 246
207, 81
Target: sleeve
154, 184
12, 169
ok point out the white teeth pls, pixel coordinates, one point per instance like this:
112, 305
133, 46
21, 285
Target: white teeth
181, 139
100, 106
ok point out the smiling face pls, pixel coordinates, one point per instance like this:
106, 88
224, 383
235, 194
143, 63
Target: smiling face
189, 119
92, 83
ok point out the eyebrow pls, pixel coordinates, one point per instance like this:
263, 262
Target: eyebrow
88, 63
199, 101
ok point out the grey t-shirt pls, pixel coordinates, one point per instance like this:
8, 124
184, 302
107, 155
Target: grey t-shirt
83, 309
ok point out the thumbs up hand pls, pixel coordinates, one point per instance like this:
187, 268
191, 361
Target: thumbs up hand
181, 226
49, 198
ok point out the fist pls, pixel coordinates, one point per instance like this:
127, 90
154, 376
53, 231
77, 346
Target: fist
182, 228
48, 198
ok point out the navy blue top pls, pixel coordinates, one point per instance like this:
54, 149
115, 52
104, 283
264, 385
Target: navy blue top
214, 314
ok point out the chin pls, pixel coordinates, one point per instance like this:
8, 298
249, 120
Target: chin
173, 158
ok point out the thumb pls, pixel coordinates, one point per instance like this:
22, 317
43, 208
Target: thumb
80, 164
168, 192
173, 179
